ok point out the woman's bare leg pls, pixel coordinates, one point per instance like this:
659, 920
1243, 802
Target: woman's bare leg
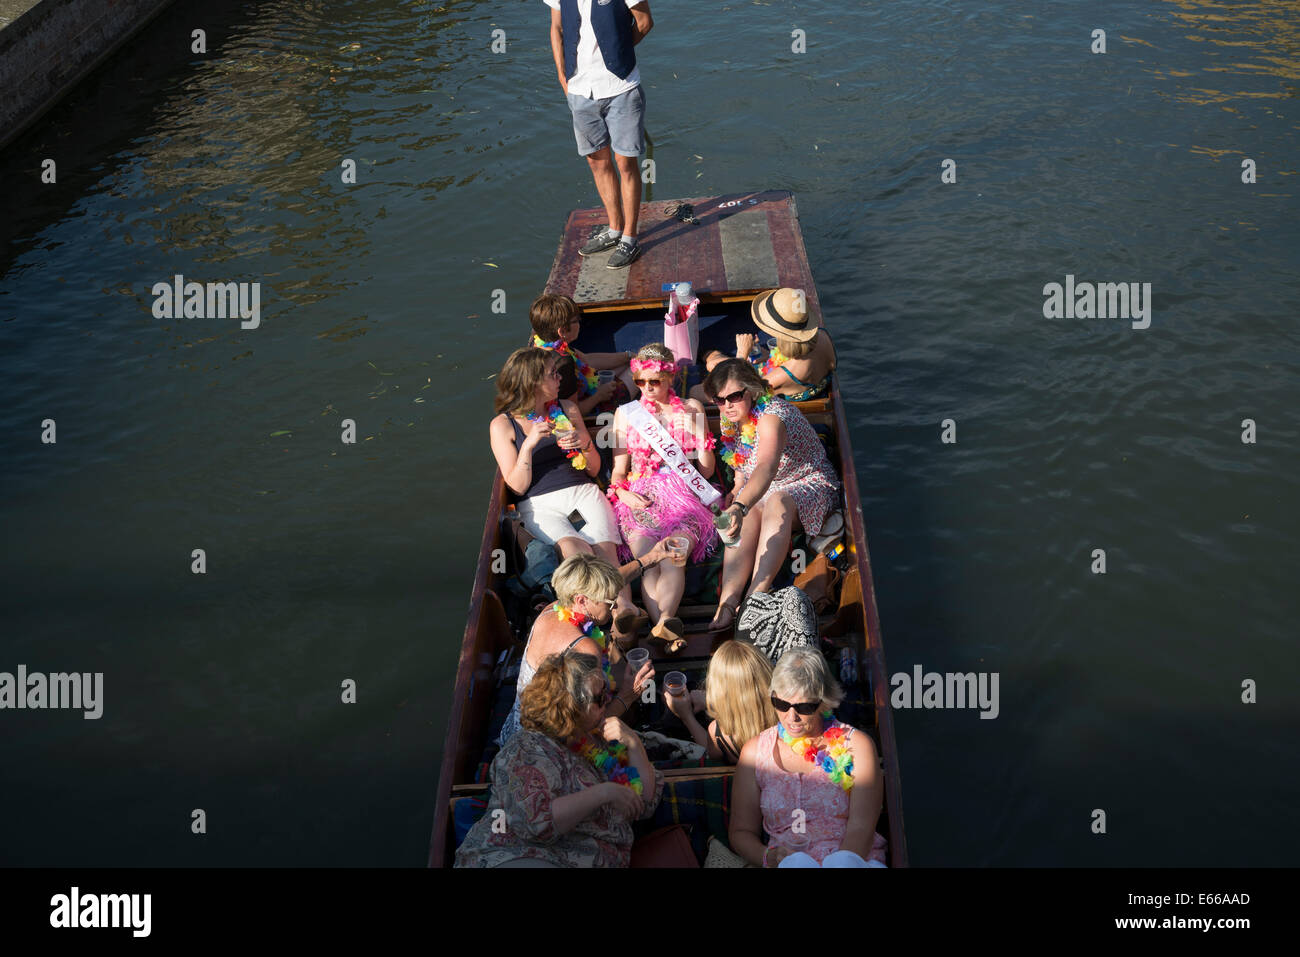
572, 546
641, 544
779, 518
738, 564
671, 587
609, 552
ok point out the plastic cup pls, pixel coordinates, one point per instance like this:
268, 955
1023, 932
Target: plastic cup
798, 842
675, 684
605, 375
563, 437
680, 546
637, 658
771, 344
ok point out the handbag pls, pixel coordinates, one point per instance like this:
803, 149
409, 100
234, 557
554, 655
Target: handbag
819, 581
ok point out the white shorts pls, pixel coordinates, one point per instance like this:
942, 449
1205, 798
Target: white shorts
547, 516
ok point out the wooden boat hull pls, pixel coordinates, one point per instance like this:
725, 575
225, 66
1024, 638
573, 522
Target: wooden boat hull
487, 630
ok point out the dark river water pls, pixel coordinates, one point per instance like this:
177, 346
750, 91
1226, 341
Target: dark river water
328, 562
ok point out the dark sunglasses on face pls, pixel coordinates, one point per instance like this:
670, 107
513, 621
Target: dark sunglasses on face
728, 399
652, 383
805, 708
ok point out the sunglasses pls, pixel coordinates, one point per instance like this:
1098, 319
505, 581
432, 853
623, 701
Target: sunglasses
555, 374
652, 383
600, 601
805, 708
729, 399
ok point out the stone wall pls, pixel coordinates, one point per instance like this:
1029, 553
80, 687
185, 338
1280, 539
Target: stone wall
47, 46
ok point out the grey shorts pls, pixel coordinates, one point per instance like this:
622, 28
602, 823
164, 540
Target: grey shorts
619, 120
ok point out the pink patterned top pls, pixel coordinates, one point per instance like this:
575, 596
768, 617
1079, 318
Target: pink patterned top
824, 803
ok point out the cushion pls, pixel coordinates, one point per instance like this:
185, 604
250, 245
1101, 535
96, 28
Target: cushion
722, 856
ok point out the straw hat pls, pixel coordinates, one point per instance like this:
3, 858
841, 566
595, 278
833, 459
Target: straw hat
783, 313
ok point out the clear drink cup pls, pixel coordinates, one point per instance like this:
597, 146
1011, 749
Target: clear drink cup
675, 684
680, 546
637, 658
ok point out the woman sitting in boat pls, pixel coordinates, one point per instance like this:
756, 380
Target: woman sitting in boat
783, 481
736, 696
657, 492
548, 460
811, 782
800, 366
567, 787
556, 322
585, 587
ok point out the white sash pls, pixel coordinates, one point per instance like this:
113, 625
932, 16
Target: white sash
662, 441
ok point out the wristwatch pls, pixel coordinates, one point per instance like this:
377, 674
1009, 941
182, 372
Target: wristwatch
744, 509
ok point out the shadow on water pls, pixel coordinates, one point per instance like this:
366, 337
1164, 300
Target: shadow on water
104, 117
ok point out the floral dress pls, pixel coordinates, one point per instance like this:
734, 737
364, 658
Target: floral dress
804, 472
529, 773
675, 509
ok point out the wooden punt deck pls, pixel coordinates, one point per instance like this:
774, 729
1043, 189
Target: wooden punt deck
745, 243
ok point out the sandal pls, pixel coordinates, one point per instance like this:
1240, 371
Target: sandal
630, 622
714, 628
671, 633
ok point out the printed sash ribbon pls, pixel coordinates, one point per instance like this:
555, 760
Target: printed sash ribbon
662, 441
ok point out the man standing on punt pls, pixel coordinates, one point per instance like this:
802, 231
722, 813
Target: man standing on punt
592, 43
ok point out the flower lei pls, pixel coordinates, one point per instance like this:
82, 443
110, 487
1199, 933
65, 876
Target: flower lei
646, 460
561, 421
737, 450
610, 760
589, 628
774, 361
590, 381
833, 757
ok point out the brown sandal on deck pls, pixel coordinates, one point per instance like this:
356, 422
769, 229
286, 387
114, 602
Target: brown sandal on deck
671, 633
714, 628
630, 622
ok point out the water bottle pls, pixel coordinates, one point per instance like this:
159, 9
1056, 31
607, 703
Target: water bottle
721, 521
848, 666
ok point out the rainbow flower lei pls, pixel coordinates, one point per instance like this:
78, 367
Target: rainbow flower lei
561, 421
590, 380
774, 361
611, 760
589, 628
833, 757
736, 449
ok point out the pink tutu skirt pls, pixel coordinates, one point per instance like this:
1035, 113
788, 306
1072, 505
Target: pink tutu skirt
674, 511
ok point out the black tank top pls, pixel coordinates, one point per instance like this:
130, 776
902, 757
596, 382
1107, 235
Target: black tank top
552, 469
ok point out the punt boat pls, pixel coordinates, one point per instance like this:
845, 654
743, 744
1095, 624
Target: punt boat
731, 248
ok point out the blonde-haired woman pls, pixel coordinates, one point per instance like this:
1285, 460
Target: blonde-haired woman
652, 496
569, 785
553, 477
585, 587
811, 782
736, 697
